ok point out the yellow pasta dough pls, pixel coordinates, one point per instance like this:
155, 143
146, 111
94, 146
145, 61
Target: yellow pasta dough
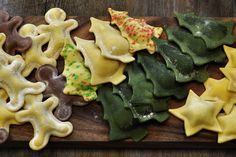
228, 125
231, 54
16, 85
78, 77
40, 115
230, 73
102, 69
198, 114
217, 90
110, 41
59, 30
34, 57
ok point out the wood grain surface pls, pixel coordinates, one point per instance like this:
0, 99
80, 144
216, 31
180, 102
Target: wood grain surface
136, 8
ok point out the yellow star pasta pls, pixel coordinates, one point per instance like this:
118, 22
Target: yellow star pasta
217, 90
59, 30
228, 125
40, 115
198, 114
230, 74
102, 69
34, 56
231, 54
110, 41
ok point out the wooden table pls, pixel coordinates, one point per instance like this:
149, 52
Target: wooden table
135, 8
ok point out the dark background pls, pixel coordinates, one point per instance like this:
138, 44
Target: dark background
217, 8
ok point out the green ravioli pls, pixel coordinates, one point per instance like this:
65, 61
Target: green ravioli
121, 121
143, 112
214, 33
180, 63
194, 46
162, 78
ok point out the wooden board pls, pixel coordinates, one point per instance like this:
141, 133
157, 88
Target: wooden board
91, 131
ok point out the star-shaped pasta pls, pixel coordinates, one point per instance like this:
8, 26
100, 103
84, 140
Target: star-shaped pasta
16, 85
198, 114
230, 74
34, 57
231, 54
217, 90
40, 115
228, 125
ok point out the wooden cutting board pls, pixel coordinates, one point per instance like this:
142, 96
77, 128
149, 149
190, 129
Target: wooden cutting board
91, 131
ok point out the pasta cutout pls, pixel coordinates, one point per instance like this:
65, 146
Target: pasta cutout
59, 30
110, 41
34, 57
102, 69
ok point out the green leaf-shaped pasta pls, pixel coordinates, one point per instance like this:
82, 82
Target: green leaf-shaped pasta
143, 112
194, 46
214, 33
162, 78
120, 120
180, 63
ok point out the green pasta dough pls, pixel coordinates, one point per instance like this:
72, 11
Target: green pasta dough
121, 121
214, 33
180, 63
143, 112
162, 78
194, 46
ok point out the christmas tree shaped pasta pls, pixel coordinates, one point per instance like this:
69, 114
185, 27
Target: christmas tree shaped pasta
136, 31
102, 69
110, 41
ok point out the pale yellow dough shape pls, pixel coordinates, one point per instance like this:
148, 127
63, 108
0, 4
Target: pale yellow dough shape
110, 41
228, 125
34, 56
16, 85
198, 114
231, 55
102, 69
40, 115
7, 117
59, 29
230, 73
217, 90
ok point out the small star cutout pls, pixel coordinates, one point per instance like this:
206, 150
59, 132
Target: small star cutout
231, 54
230, 73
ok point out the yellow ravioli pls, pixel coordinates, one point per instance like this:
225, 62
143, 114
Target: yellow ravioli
34, 56
40, 115
231, 54
59, 30
16, 85
198, 114
102, 69
230, 73
228, 125
136, 31
110, 41
217, 90
78, 77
